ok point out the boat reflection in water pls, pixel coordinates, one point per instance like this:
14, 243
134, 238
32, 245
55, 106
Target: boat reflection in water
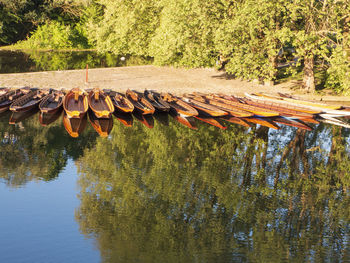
211, 121
186, 121
125, 118
102, 126
20, 116
162, 118
74, 126
48, 118
147, 120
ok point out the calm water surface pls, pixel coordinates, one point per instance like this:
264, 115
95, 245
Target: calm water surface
172, 194
17, 61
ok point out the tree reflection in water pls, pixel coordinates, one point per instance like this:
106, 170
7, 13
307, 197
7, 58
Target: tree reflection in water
31, 152
171, 194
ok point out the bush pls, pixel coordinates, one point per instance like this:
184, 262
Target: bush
55, 35
338, 74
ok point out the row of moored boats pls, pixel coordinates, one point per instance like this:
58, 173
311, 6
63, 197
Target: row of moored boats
266, 110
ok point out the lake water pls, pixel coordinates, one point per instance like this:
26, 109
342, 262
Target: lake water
17, 61
173, 194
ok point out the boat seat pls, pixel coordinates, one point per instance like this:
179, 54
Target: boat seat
97, 95
76, 96
56, 98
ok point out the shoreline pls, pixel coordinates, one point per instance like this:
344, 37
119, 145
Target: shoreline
163, 79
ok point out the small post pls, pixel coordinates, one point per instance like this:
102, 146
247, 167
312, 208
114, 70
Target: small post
87, 68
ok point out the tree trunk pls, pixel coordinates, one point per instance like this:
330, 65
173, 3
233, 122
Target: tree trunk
346, 36
309, 77
273, 74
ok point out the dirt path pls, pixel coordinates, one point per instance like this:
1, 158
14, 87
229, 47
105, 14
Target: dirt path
175, 80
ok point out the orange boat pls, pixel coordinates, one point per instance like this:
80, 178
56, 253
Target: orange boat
102, 126
287, 112
233, 111
100, 103
140, 103
253, 109
121, 103
178, 106
204, 108
282, 103
75, 103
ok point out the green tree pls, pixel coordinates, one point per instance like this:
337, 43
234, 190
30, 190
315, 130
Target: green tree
318, 27
185, 35
126, 27
251, 35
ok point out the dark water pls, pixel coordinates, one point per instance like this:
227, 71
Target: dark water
17, 61
172, 194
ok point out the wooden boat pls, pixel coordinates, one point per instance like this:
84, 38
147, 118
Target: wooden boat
204, 108
46, 119
52, 102
276, 103
102, 126
253, 109
121, 103
233, 111
158, 103
100, 103
125, 118
284, 111
17, 117
312, 106
264, 122
29, 101
75, 103
9, 97
3, 91
308, 103
236, 120
74, 126
140, 103
178, 106
211, 121
145, 119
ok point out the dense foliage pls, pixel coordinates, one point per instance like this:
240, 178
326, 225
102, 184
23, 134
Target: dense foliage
250, 39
